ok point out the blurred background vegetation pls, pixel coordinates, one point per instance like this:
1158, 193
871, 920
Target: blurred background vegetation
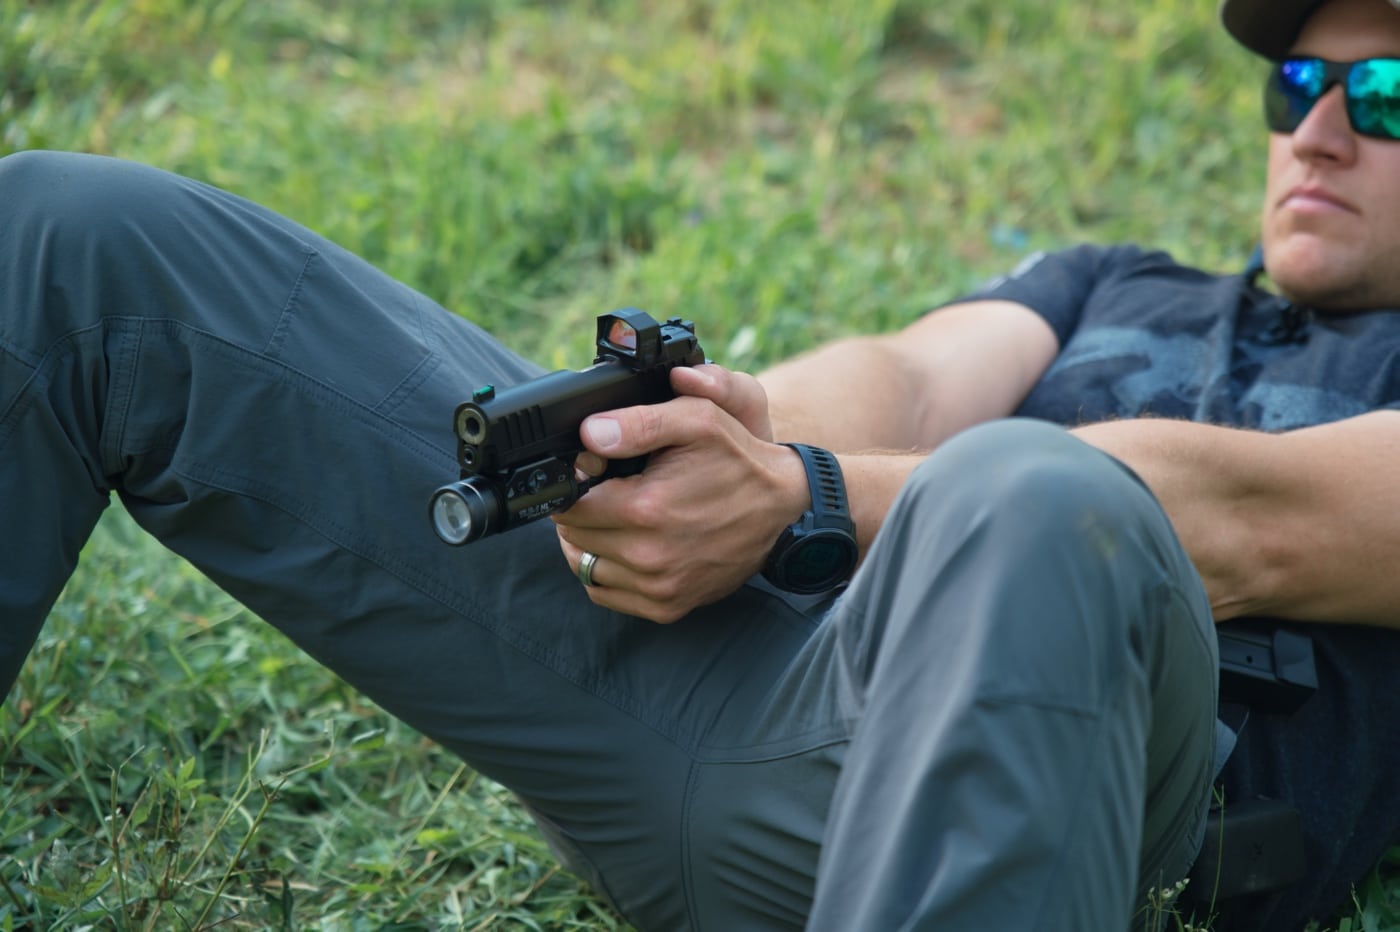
781, 172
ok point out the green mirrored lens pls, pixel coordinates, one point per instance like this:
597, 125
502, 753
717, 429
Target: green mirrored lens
1373, 97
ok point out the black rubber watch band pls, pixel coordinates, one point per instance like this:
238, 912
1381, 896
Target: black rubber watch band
825, 482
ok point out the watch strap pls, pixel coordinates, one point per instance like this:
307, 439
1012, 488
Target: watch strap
827, 486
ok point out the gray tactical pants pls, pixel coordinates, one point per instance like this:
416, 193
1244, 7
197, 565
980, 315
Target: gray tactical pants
1005, 722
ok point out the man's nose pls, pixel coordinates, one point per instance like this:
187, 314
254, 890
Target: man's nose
1326, 132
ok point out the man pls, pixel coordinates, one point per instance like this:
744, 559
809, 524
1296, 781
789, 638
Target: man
1006, 720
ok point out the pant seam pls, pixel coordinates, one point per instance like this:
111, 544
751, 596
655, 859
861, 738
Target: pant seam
1075, 823
13, 411
121, 388
273, 347
419, 374
21, 354
692, 785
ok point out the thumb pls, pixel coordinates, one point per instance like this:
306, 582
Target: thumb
643, 429
602, 434
627, 432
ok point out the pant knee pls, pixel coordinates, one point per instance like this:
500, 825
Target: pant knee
70, 219
47, 193
1038, 476
89, 238
1041, 536
22, 174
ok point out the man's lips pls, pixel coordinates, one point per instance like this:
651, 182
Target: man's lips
1314, 198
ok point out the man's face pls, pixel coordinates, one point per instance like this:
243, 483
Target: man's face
1331, 218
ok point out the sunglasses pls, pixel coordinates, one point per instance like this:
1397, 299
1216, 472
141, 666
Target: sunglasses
1371, 85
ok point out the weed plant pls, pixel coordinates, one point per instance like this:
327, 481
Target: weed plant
780, 172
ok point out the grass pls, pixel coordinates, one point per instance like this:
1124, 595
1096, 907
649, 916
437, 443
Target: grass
780, 172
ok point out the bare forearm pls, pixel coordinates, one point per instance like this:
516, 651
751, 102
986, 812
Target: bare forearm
912, 389
1214, 497
850, 395
872, 482
1304, 524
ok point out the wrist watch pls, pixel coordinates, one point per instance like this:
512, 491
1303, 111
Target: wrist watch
817, 552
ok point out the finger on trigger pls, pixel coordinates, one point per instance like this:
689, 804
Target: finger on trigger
589, 465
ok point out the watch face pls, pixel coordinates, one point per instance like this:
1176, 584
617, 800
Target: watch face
820, 561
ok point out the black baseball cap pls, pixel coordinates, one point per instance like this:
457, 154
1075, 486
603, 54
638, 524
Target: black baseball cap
1267, 27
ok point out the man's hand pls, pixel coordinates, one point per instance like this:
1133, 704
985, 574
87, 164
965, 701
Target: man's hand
717, 492
702, 517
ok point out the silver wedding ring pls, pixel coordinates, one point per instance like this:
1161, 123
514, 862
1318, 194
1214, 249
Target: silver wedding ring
585, 568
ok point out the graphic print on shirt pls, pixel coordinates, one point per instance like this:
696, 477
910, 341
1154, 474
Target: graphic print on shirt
1143, 372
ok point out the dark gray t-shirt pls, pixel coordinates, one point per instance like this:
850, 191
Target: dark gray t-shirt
1141, 335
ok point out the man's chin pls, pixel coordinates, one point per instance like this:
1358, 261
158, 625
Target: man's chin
1325, 290
1308, 269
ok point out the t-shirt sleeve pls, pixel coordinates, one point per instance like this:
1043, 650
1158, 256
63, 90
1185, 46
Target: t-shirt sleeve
1057, 285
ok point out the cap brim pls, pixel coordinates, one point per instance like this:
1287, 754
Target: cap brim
1267, 27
